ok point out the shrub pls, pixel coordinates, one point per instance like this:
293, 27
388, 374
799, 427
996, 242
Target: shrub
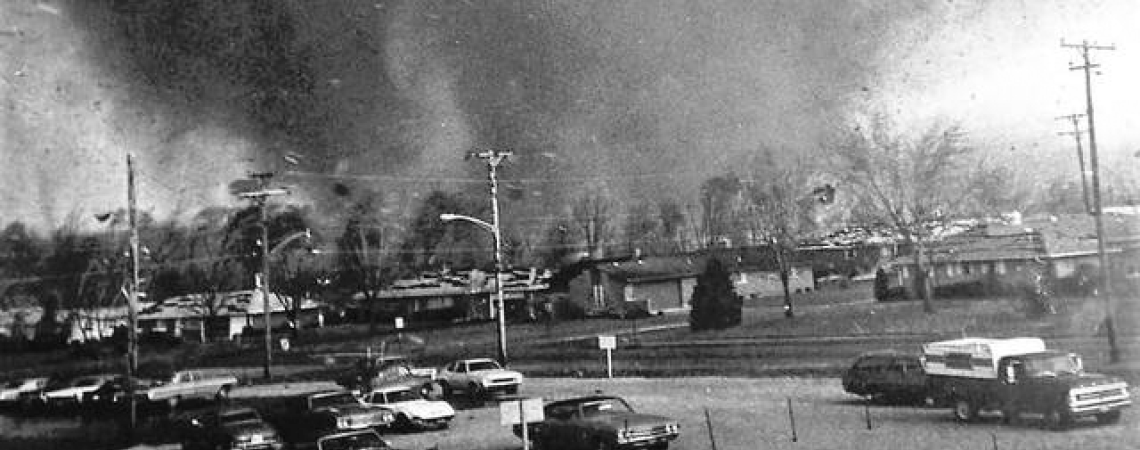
716, 304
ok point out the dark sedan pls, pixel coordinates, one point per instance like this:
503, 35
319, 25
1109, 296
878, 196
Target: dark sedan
229, 429
599, 422
353, 440
113, 393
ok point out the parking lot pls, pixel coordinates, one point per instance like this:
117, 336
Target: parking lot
753, 414
745, 413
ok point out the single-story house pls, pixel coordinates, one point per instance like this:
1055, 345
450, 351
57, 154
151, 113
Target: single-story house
657, 284
231, 314
459, 296
1004, 259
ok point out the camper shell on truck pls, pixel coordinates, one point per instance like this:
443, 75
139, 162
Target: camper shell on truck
1020, 376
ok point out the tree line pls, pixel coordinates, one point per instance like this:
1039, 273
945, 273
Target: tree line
872, 173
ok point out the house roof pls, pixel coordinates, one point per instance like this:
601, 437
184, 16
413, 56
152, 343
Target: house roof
234, 303
1035, 238
656, 268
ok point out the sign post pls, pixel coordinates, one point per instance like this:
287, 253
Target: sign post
608, 343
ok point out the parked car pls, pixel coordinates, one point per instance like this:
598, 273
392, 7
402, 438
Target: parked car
353, 440
11, 392
889, 376
478, 377
413, 411
72, 393
189, 385
229, 429
599, 422
368, 375
113, 393
306, 417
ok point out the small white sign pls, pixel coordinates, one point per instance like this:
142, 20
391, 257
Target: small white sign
512, 412
399, 323
607, 342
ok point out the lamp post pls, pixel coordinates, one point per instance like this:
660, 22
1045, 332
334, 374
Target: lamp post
266, 310
499, 303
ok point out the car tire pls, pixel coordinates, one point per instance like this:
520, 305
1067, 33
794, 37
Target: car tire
427, 390
1107, 418
445, 389
474, 391
1057, 420
965, 410
173, 402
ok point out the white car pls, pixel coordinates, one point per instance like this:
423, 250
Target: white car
12, 391
479, 376
73, 393
412, 409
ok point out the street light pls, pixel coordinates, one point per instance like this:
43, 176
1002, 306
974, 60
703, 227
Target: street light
266, 310
499, 305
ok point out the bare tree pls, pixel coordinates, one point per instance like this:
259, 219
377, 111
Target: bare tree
298, 275
722, 204
362, 248
592, 214
782, 196
210, 270
912, 184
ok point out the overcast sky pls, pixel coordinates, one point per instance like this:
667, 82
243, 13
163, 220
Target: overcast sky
641, 96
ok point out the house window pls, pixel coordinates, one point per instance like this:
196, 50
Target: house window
849, 253
949, 270
966, 269
999, 267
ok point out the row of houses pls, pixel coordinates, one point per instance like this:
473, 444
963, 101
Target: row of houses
1060, 251
986, 259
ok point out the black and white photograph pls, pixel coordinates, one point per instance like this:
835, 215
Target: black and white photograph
569, 224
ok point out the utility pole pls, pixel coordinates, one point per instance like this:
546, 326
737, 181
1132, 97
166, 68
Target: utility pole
132, 299
1105, 273
1076, 133
259, 198
494, 158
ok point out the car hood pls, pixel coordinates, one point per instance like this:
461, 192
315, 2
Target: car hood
631, 420
425, 409
1083, 380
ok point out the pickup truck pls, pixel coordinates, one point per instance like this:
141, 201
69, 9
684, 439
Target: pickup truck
189, 385
1020, 376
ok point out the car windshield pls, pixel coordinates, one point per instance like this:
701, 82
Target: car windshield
402, 396
84, 382
482, 365
323, 401
605, 406
1052, 365
353, 442
247, 415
